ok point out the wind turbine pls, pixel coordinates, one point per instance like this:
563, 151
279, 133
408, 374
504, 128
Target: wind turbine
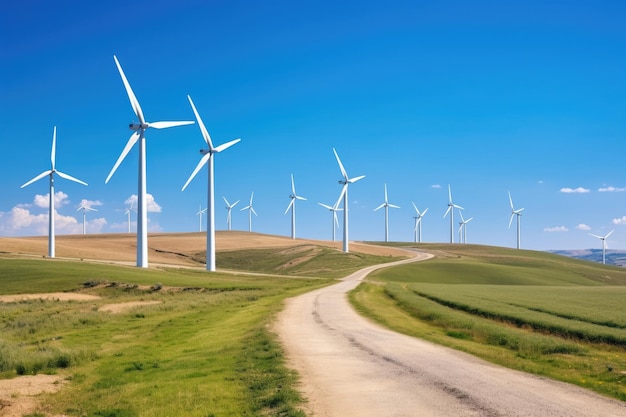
51, 173
250, 211
292, 205
207, 158
451, 207
603, 239
200, 212
418, 223
463, 228
334, 210
229, 207
139, 135
128, 210
85, 208
517, 213
386, 205
344, 193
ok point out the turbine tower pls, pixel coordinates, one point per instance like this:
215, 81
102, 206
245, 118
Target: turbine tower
229, 207
292, 205
463, 228
139, 136
127, 212
208, 158
603, 239
334, 210
451, 207
517, 213
386, 205
84, 209
50, 173
200, 212
250, 211
418, 223
345, 181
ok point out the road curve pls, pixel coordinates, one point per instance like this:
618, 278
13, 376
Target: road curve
350, 366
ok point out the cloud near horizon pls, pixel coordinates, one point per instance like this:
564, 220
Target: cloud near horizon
621, 220
556, 229
583, 226
611, 189
580, 190
151, 204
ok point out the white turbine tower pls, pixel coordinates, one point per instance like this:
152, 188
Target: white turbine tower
604, 246
418, 223
463, 228
451, 207
292, 205
139, 135
334, 210
127, 212
84, 209
229, 207
50, 173
200, 212
208, 158
250, 211
517, 213
344, 194
386, 205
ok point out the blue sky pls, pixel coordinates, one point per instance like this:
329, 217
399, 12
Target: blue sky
526, 96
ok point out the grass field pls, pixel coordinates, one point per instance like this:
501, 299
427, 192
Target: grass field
527, 310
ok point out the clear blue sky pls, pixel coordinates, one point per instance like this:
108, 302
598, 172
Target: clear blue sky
485, 96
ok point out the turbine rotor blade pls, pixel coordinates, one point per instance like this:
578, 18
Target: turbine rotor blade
599, 237
252, 209
609, 234
131, 142
447, 211
293, 187
379, 207
226, 201
165, 125
203, 161
511, 201
394, 206
511, 219
205, 133
37, 178
225, 146
131, 96
54, 147
355, 179
299, 198
343, 192
69, 177
425, 211
343, 170
290, 205
325, 206
235, 203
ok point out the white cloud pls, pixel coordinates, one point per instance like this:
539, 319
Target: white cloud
436, 186
574, 190
540, 181
583, 226
89, 203
611, 189
43, 201
21, 221
151, 204
621, 220
556, 229
96, 225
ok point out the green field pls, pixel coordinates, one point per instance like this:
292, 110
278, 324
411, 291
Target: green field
528, 310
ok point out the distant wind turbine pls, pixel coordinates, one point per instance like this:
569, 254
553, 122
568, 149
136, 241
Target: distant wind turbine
517, 213
345, 181
139, 135
463, 228
50, 173
418, 223
229, 207
292, 205
250, 211
334, 210
208, 158
84, 209
604, 245
451, 207
200, 212
386, 205
127, 212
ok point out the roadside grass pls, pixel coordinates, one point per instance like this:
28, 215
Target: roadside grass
532, 311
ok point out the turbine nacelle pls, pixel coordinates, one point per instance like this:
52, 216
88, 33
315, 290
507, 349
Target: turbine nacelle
138, 126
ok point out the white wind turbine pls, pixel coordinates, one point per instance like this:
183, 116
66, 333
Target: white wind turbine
604, 246
334, 210
208, 158
386, 205
229, 207
127, 212
200, 212
463, 228
517, 213
292, 205
250, 211
139, 135
50, 173
84, 209
418, 223
344, 194
451, 207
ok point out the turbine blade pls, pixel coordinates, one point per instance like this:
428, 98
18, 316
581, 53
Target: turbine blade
511, 219
131, 96
609, 234
245, 208
205, 133
226, 145
251, 197
457, 206
300, 198
37, 178
54, 147
252, 208
343, 191
415, 207
343, 170
393, 206
449, 194
203, 161
379, 207
447, 211
511, 201
355, 179
293, 186
599, 237
226, 201
469, 220
325, 206
69, 177
131, 142
424, 212
335, 216
386, 192
165, 125
289, 206
234, 204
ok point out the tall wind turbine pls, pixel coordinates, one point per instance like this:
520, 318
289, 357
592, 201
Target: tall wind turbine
127, 212
451, 207
229, 207
292, 205
250, 211
208, 158
51, 173
344, 194
139, 135
603, 239
84, 209
200, 212
517, 213
418, 223
334, 210
463, 228
386, 205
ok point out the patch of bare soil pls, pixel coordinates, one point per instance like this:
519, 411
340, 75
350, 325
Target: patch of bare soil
121, 307
60, 296
19, 396
308, 252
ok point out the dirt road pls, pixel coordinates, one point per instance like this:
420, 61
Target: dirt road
350, 366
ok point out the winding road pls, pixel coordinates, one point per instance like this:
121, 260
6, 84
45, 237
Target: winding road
350, 366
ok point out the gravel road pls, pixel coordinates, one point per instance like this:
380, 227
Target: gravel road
350, 366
